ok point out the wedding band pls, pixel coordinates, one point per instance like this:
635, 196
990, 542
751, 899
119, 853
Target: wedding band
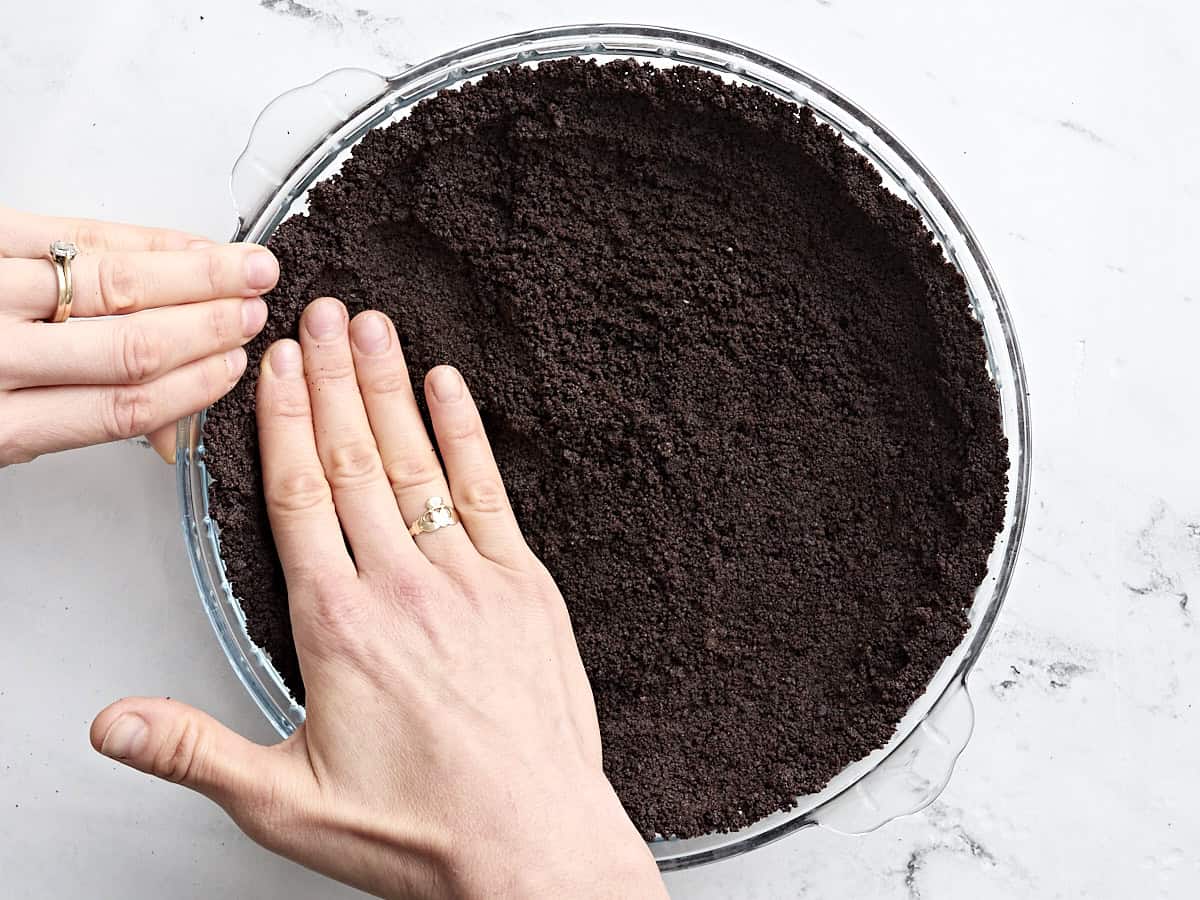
438, 514
61, 254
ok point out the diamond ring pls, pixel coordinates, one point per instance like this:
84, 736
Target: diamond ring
438, 514
61, 254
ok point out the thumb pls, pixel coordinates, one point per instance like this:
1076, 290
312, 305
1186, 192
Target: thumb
180, 744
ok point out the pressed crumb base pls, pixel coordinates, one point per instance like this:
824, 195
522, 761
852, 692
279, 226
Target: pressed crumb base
734, 389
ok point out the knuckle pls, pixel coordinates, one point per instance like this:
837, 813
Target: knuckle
465, 431
92, 236
211, 380
122, 287
299, 490
164, 240
214, 273
129, 412
140, 358
351, 463
180, 758
388, 383
291, 405
407, 473
408, 594
221, 323
302, 490
337, 612
331, 372
418, 599
214, 378
483, 495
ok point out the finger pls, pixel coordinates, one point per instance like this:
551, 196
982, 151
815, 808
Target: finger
412, 467
127, 349
299, 503
28, 235
180, 744
364, 500
48, 419
163, 440
475, 483
117, 283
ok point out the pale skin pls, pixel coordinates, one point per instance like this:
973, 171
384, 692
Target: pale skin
451, 747
156, 331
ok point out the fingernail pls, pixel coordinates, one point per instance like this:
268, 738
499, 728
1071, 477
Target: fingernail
370, 334
235, 362
285, 359
447, 384
126, 737
254, 316
325, 319
200, 245
262, 271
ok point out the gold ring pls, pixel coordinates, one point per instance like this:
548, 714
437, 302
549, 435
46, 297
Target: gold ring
61, 254
438, 514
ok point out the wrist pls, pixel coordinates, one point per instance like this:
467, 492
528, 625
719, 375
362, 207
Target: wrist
588, 850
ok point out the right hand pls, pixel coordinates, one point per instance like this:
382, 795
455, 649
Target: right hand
178, 307
451, 747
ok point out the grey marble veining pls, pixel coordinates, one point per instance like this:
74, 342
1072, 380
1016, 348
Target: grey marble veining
1066, 134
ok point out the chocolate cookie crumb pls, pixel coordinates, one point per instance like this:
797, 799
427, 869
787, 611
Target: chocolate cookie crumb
733, 386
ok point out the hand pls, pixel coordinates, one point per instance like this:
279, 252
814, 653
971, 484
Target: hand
451, 747
181, 308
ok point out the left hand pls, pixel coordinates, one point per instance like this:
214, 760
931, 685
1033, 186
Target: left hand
155, 331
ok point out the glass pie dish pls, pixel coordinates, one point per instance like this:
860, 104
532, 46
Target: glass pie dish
304, 136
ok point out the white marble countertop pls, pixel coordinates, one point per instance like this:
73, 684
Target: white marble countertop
1067, 134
